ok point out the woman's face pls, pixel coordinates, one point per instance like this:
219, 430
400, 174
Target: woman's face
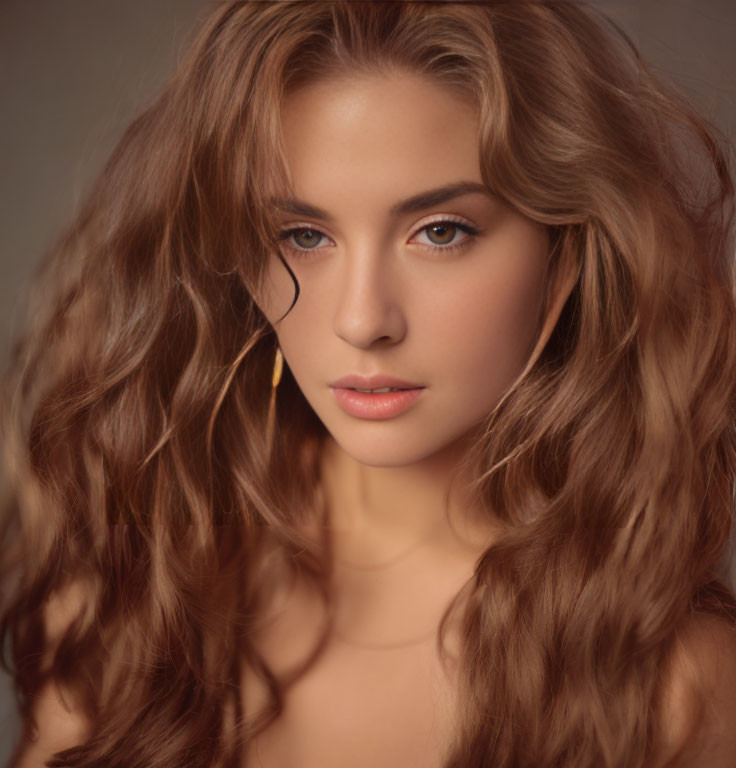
452, 308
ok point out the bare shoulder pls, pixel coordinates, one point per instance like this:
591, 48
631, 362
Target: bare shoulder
698, 712
59, 723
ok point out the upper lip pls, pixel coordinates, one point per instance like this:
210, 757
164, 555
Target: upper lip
378, 381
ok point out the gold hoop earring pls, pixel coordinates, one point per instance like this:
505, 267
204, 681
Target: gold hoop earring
278, 367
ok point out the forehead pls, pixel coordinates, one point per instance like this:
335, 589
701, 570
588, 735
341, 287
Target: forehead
378, 134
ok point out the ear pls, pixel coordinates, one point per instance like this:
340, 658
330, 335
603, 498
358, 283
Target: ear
562, 281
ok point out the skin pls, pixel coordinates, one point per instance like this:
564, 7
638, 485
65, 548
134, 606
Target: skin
375, 297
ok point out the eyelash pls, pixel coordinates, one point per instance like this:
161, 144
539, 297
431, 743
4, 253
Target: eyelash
471, 232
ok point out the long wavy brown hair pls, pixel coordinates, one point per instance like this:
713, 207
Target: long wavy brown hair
135, 402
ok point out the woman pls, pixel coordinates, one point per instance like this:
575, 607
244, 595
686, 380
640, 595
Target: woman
226, 545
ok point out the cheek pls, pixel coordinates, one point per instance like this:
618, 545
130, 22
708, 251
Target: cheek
486, 327
278, 291
301, 332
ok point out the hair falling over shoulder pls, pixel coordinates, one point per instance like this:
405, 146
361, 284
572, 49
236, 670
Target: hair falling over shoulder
134, 405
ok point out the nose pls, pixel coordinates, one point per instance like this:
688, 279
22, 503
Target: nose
368, 306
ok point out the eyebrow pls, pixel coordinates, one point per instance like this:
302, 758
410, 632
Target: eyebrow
412, 204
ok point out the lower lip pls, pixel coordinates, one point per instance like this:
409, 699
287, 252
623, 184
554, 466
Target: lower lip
383, 405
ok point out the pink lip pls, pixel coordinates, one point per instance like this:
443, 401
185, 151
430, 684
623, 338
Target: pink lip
383, 405
377, 381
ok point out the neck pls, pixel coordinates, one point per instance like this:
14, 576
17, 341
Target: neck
376, 513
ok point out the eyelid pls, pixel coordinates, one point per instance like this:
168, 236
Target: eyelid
450, 217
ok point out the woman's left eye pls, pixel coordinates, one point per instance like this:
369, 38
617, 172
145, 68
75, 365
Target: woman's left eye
441, 236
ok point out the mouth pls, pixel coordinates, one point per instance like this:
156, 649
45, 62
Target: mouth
377, 383
381, 403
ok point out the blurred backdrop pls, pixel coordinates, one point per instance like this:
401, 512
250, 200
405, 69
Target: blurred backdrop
73, 73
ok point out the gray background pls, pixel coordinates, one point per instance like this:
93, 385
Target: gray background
74, 72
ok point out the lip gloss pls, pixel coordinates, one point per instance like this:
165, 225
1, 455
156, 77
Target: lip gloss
383, 405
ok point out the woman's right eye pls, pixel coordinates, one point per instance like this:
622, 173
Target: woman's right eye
308, 236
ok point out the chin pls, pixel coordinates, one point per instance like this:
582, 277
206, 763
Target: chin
385, 450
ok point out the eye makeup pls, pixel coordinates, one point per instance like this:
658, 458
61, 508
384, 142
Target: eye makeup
443, 222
